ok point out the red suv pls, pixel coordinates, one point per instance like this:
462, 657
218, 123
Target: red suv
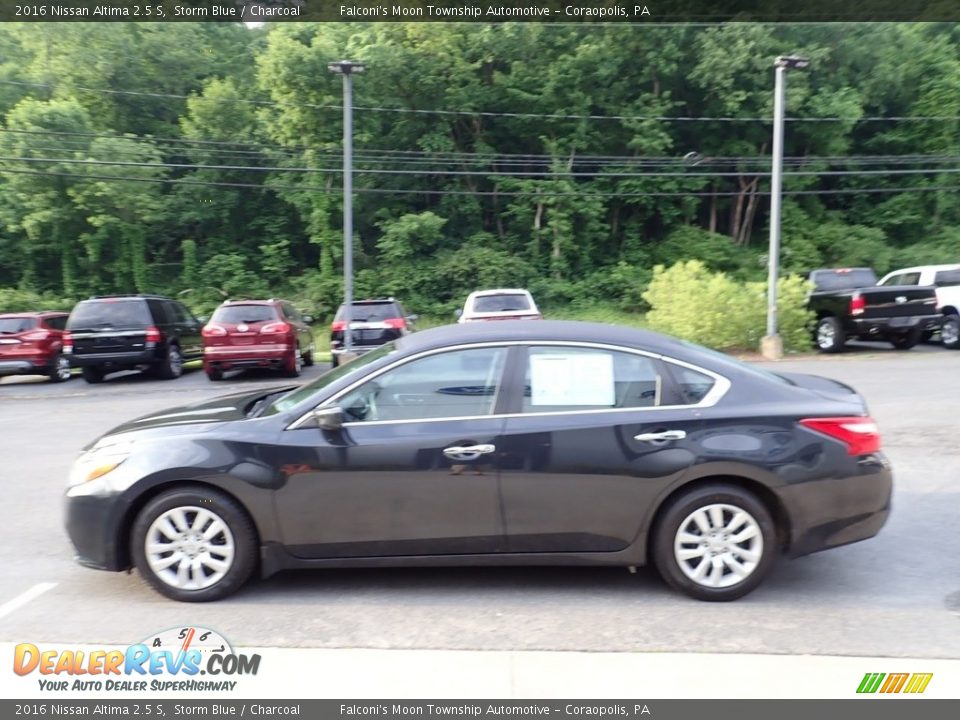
32, 343
257, 333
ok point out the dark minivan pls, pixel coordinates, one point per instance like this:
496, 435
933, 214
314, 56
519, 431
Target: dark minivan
127, 332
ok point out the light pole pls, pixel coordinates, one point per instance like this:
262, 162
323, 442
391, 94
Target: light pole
771, 347
347, 68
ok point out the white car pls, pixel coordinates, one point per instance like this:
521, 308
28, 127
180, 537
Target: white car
500, 304
946, 280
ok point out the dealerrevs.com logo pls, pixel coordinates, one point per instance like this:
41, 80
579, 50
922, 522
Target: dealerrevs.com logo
171, 660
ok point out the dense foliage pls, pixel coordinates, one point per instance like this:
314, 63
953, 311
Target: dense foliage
205, 159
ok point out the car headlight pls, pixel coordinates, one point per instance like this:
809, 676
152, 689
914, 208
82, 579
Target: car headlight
98, 461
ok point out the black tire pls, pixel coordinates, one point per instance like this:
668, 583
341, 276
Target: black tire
59, 368
93, 375
829, 336
334, 360
240, 531
762, 545
950, 332
906, 340
308, 358
172, 365
215, 375
292, 369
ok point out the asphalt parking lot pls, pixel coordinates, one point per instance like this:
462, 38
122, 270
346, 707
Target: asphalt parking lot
895, 595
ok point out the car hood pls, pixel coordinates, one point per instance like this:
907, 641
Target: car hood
198, 417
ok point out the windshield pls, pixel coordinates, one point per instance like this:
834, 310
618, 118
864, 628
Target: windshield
235, 314
293, 398
8, 326
110, 313
501, 303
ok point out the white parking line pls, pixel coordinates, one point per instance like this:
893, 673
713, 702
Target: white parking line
25, 597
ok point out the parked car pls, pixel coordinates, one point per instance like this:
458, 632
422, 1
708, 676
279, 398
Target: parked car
848, 304
372, 323
31, 343
946, 281
127, 332
501, 304
511, 443
257, 333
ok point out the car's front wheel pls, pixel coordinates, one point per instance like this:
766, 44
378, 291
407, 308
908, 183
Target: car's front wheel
950, 332
194, 544
59, 368
716, 542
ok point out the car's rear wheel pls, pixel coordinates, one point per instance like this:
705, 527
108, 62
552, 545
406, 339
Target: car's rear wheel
194, 544
950, 332
93, 375
215, 374
308, 358
294, 363
905, 341
172, 366
716, 543
59, 369
334, 360
829, 335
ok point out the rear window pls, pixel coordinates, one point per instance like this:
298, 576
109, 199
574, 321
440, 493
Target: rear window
843, 279
236, 314
9, 326
501, 303
369, 312
110, 313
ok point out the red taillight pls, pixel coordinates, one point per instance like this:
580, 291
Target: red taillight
67, 342
36, 335
274, 328
857, 304
859, 434
153, 334
213, 331
395, 323
338, 325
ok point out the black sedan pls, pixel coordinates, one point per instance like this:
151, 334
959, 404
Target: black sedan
509, 443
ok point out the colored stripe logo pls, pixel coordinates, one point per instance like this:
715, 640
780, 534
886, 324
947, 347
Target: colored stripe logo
913, 683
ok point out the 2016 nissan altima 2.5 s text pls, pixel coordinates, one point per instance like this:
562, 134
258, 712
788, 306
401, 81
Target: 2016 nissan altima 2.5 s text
510, 443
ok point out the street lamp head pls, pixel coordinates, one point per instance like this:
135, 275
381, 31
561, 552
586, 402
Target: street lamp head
346, 67
792, 62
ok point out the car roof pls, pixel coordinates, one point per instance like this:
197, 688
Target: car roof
921, 268
547, 330
500, 291
33, 313
271, 301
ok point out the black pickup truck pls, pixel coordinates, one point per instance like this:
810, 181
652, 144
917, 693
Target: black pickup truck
849, 305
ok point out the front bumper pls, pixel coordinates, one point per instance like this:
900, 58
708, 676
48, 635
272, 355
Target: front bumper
897, 325
92, 523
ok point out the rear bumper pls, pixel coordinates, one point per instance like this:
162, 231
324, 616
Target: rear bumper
839, 511
227, 356
897, 325
116, 360
25, 366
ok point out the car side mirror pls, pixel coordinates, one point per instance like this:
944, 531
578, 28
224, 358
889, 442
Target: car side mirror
328, 418
412, 318
457, 313
308, 319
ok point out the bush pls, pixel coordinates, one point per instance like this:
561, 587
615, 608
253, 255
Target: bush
16, 300
711, 309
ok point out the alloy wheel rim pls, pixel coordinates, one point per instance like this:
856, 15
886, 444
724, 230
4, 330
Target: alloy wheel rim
63, 368
950, 332
189, 548
718, 545
298, 360
176, 362
825, 335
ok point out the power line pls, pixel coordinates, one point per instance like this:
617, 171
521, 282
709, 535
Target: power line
501, 114
482, 193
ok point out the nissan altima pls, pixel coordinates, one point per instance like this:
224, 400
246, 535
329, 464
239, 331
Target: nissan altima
510, 443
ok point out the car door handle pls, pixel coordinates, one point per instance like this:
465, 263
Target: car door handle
468, 452
661, 436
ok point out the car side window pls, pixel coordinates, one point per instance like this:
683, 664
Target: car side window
182, 314
693, 385
459, 383
56, 323
572, 378
904, 279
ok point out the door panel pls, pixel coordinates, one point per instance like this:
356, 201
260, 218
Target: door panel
389, 489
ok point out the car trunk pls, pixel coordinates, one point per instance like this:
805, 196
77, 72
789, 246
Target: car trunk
826, 387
